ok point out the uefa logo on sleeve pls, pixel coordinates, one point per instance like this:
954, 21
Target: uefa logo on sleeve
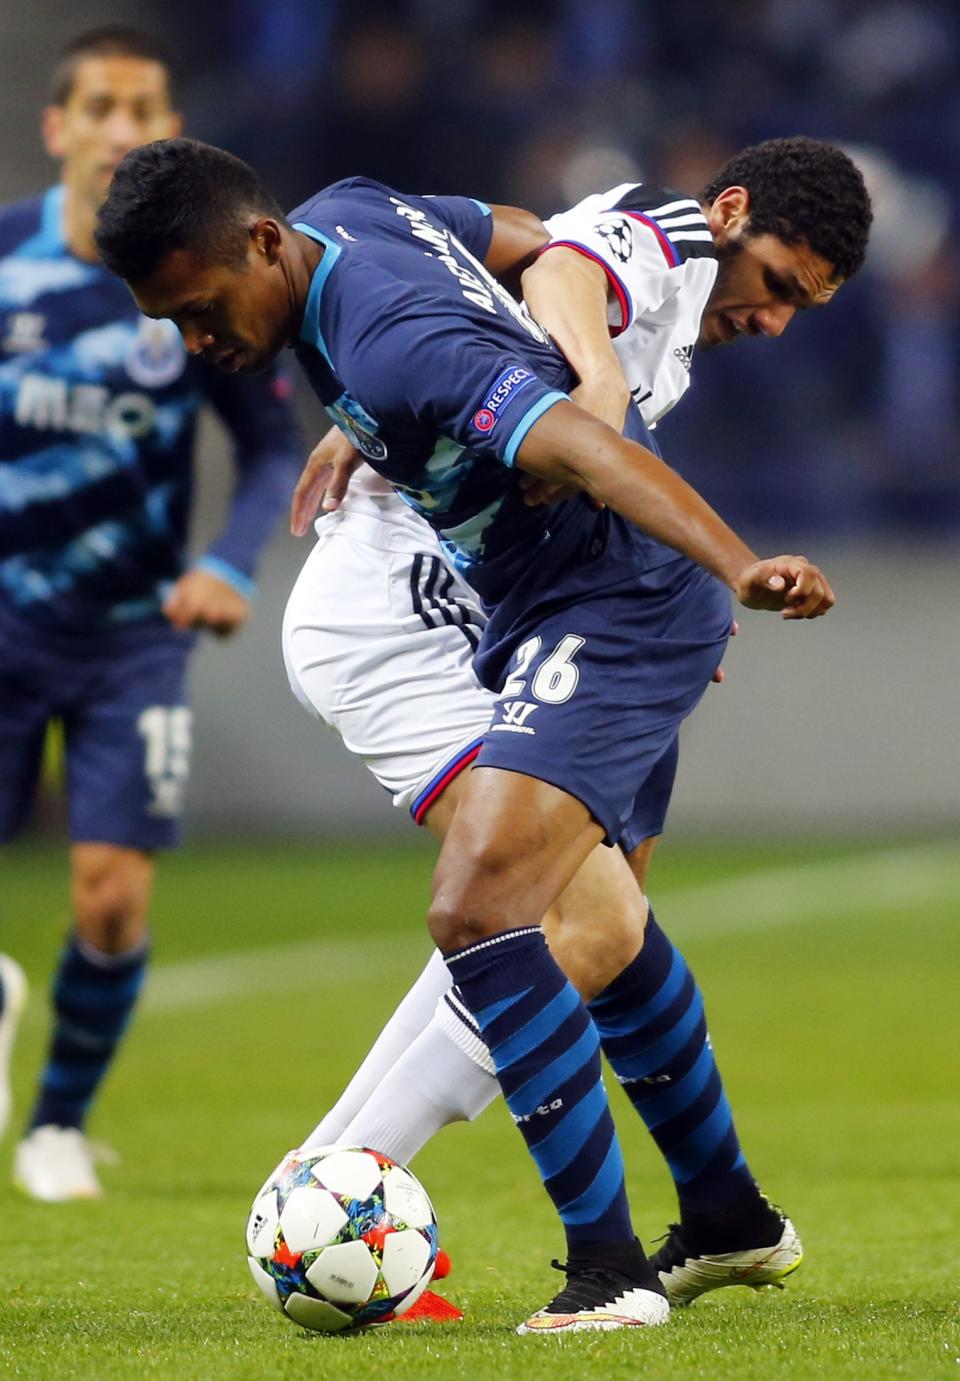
484, 420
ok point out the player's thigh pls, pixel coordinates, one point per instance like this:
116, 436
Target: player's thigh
512, 847
110, 890
593, 699
25, 709
129, 742
378, 645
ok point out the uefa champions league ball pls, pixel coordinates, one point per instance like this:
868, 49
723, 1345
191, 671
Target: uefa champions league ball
341, 1238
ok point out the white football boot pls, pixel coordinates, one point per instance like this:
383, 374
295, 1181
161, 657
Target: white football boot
55, 1164
686, 1273
599, 1298
14, 997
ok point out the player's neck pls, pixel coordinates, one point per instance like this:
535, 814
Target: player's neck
303, 263
79, 220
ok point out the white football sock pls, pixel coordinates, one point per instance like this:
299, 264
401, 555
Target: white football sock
434, 1082
410, 1018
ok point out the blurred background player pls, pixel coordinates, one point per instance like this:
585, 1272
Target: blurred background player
98, 409
638, 264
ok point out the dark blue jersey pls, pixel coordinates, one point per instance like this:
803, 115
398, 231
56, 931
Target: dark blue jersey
98, 409
430, 366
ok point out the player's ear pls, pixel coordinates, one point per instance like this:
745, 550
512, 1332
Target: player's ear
51, 128
267, 237
728, 212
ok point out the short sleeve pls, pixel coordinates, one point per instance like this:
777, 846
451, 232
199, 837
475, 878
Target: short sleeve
471, 221
480, 394
633, 251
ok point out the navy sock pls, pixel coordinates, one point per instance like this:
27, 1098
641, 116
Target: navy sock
547, 1057
654, 1035
93, 996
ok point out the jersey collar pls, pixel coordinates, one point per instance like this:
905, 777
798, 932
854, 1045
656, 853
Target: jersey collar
310, 326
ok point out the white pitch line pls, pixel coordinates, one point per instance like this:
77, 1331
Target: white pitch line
912, 876
296, 968
882, 880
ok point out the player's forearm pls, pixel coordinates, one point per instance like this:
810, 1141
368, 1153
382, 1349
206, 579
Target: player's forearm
567, 294
260, 495
568, 447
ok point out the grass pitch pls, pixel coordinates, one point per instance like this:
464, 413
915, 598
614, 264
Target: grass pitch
830, 980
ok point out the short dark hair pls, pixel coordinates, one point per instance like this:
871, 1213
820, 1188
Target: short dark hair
110, 41
179, 194
803, 189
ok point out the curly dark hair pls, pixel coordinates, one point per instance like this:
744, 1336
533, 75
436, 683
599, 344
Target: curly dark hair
179, 194
803, 189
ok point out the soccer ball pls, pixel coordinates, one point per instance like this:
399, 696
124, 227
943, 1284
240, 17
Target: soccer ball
341, 1238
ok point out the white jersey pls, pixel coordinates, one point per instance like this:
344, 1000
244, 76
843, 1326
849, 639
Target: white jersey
660, 260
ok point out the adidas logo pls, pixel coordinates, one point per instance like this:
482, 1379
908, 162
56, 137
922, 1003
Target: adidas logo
684, 354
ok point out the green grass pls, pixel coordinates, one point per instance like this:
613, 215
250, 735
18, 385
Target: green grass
838, 1036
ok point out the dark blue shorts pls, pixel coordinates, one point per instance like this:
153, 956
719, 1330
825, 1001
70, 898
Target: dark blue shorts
122, 699
597, 664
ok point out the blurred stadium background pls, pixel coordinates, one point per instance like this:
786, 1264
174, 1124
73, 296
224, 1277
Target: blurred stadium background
840, 440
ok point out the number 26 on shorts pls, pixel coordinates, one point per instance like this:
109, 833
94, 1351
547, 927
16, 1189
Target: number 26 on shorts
555, 679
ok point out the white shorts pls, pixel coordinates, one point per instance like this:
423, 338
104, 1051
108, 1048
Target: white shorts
378, 640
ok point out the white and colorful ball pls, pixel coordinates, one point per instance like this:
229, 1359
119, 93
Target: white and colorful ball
341, 1238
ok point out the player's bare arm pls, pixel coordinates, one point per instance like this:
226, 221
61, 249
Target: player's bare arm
567, 293
569, 447
518, 238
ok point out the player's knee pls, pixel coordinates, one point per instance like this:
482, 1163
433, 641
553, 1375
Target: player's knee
472, 900
111, 891
452, 927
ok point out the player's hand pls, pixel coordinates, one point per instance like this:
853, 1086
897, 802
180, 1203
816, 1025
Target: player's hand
324, 481
788, 584
201, 599
718, 676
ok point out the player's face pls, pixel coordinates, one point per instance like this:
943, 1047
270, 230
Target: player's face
115, 105
237, 318
762, 282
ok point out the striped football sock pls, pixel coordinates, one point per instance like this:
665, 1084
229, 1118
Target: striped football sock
93, 996
654, 1035
547, 1058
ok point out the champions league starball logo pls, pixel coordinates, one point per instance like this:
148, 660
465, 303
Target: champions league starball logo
157, 356
619, 237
